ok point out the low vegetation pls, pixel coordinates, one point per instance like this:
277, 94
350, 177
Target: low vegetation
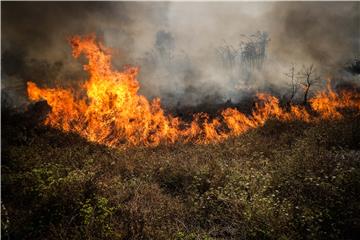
282, 181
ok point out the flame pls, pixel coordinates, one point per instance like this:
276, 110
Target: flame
329, 104
111, 112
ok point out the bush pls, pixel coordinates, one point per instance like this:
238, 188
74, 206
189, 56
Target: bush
281, 181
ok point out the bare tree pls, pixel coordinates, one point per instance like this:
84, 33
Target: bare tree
253, 49
228, 55
251, 52
309, 79
294, 85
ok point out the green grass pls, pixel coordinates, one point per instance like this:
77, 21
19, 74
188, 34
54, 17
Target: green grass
281, 181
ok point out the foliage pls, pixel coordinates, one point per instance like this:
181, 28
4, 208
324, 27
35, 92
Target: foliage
282, 181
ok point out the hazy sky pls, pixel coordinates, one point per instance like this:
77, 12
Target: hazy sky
34, 38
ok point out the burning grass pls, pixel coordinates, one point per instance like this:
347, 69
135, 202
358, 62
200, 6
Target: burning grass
272, 174
113, 113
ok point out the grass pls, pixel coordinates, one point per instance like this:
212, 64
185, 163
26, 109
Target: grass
281, 181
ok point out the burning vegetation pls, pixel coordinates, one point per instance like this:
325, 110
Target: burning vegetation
247, 141
109, 110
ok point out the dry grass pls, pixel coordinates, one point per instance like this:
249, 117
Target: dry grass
283, 181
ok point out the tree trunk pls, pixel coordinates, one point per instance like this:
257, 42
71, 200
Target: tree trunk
306, 95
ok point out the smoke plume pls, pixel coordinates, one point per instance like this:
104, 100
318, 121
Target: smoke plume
184, 49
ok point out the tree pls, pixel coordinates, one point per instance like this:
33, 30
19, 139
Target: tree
294, 85
253, 49
228, 55
309, 79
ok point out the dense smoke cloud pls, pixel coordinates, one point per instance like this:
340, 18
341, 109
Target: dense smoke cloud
324, 32
176, 44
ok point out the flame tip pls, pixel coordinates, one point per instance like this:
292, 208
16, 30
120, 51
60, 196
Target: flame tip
112, 112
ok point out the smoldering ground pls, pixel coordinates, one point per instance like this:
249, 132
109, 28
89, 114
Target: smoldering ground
183, 49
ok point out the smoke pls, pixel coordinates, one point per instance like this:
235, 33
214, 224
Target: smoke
325, 33
176, 44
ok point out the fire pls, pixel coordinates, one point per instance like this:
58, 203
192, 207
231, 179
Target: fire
328, 104
111, 111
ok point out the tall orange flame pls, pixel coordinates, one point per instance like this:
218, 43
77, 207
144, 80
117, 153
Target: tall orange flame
113, 113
